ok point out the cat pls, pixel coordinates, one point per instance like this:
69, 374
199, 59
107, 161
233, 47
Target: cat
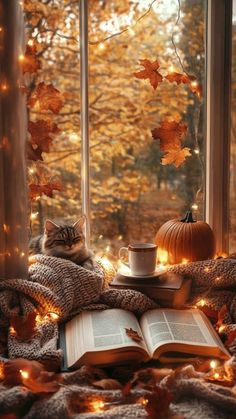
64, 241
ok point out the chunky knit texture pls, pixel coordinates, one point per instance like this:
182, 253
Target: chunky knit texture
60, 286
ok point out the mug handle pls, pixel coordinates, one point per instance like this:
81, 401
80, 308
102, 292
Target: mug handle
122, 250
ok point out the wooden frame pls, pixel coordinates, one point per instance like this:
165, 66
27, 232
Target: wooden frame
218, 53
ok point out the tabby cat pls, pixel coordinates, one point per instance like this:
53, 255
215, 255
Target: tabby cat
64, 241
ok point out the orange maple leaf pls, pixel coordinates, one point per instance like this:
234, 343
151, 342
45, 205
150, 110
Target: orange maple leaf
180, 78
176, 157
33, 152
133, 334
40, 131
24, 326
31, 63
150, 72
46, 97
46, 189
170, 134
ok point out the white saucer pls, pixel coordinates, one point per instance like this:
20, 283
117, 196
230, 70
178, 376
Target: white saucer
127, 273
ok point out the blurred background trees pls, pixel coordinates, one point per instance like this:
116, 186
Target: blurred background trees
132, 194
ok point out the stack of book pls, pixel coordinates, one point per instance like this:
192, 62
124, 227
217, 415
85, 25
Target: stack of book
168, 289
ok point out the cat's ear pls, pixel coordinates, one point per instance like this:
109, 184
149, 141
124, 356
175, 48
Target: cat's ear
80, 223
49, 226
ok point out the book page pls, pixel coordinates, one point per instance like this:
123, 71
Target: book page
104, 330
177, 326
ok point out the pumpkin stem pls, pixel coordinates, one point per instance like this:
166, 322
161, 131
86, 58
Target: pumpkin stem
188, 218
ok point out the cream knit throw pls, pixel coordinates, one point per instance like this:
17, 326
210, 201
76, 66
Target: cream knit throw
59, 285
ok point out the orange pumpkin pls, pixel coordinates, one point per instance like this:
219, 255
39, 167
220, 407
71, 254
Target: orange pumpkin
186, 240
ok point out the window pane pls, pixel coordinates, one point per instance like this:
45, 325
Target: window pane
232, 241
132, 192
53, 28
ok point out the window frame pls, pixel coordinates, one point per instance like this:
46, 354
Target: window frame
217, 117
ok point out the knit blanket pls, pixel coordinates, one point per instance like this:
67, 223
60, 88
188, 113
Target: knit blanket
58, 286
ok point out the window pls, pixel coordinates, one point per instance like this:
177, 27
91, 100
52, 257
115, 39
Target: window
132, 193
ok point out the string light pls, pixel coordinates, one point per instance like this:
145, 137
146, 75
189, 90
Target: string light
184, 261
194, 83
101, 46
97, 405
221, 328
31, 170
6, 228
213, 364
30, 42
216, 375
22, 254
162, 256
24, 374
33, 215
201, 302
194, 207
1, 29
196, 151
21, 57
4, 86
171, 69
108, 248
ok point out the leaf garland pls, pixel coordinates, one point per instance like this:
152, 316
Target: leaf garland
169, 133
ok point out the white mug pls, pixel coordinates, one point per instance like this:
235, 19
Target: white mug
142, 258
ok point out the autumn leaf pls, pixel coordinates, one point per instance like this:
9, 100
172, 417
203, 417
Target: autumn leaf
180, 78
33, 152
24, 326
223, 312
46, 97
107, 384
210, 313
46, 189
176, 157
150, 72
133, 334
40, 133
230, 338
31, 63
170, 134
157, 404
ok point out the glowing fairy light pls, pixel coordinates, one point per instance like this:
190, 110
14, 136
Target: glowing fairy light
162, 256
221, 329
108, 248
194, 207
97, 405
101, 46
4, 86
6, 228
213, 364
216, 375
12, 331
171, 69
31, 170
184, 261
22, 254
33, 215
120, 237
21, 57
206, 269
194, 83
24, 374
30, 42
196, 151
201, 302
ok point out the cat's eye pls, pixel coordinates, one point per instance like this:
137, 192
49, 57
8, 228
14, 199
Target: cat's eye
59, 242
76, 240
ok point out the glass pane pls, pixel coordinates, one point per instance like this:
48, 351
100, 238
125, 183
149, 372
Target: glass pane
232, 241
132, 192
53, 30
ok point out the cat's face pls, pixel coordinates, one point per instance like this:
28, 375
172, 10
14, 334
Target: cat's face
63, 241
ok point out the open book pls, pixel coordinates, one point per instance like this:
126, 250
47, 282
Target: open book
101, 338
